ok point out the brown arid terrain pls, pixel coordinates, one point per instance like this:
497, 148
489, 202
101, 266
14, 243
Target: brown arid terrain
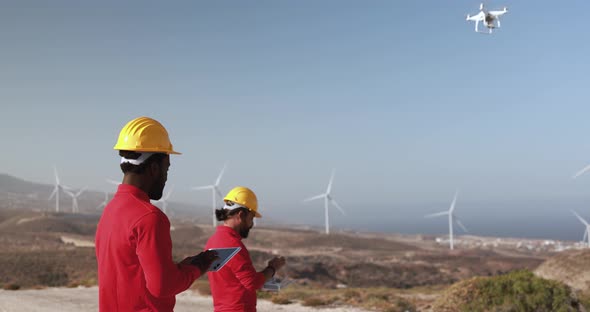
570, 267
383, 272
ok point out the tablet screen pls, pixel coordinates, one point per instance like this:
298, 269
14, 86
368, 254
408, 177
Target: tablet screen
225, 254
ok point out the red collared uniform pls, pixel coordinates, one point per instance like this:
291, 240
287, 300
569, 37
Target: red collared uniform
134, 254
234, 286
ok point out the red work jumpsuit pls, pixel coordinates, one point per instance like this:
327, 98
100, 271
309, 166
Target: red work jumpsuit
134, 254
234, 286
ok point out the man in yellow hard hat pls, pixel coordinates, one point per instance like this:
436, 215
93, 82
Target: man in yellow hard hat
133, 245
234, 286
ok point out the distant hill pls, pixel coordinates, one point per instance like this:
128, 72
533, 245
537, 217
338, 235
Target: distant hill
50, 222
19, 194
10, 184
570, 267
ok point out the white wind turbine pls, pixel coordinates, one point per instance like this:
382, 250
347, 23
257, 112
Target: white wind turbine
104, 202
75, 196
327, 200
214, 190
57, 188
164, 199
587, 231
452, 216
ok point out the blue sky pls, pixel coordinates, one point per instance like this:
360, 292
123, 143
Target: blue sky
401, 97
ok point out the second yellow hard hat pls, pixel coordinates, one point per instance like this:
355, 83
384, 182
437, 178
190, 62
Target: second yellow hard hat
244, 197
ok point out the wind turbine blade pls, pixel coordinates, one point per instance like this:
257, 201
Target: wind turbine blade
53, 193
69, 193
452, 208
315, 197
113, 182
438, 214
337, 206
56, 176
330, 183
460, 224
200, 188
581, 172
81, 191
220, 175
580, 218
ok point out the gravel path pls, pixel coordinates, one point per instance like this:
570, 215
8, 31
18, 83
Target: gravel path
86, 299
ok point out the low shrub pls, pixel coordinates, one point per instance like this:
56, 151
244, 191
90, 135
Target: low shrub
11, 287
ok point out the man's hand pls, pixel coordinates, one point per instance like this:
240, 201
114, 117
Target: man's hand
203, 260
277, 263
273, 266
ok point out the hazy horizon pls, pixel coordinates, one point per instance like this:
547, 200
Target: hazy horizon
481, 218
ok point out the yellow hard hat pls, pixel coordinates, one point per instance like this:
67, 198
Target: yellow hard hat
144, 134
244, 197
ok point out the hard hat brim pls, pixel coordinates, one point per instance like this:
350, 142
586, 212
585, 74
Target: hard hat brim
147, 150
257, 215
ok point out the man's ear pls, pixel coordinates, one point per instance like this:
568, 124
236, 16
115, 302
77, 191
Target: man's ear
154, 168
243, 215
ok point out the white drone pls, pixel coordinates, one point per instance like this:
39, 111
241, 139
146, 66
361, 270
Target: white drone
487, 17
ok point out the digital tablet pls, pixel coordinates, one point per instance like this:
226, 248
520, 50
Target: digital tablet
275, 284
225, 254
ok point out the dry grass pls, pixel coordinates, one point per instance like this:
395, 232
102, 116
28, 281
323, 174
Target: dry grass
49, 268
282, 300
377, 299
11, 287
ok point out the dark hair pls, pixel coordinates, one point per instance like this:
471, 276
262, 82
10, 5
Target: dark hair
224, 214
139, 169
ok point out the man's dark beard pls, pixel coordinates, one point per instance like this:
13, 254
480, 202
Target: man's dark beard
244, 231
158, 189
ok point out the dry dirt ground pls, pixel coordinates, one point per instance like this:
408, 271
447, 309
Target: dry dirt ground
86, 299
